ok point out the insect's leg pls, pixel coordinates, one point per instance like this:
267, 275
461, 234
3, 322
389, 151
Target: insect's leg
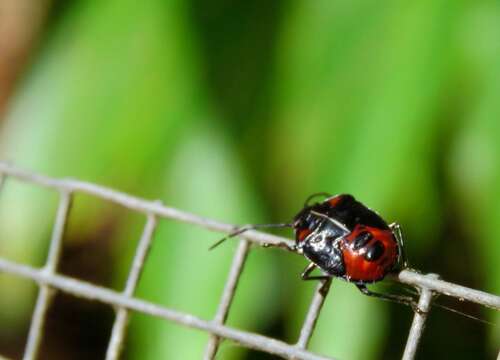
401, 299
325, 279
309, 269
396, 231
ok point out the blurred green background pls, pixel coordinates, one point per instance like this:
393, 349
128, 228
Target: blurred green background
237, 111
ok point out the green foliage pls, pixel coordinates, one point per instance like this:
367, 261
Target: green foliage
394, 102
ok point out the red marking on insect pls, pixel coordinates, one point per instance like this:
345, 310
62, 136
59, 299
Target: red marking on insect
346, 239
375, 259
302, 234
343, 238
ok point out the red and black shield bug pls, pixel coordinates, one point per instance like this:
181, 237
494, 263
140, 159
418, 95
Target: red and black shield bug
345, 239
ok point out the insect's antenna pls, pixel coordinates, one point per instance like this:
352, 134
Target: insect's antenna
471, 317
444, 307
312, 196
331, 219
247, 228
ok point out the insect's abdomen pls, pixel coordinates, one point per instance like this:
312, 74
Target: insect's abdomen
369, 253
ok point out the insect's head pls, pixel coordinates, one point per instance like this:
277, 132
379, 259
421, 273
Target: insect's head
304, 223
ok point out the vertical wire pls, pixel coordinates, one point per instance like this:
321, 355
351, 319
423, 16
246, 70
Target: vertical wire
313, 313
227, 296
46, 293
122, 315
418, 324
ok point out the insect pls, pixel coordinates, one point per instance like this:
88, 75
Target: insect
343, 238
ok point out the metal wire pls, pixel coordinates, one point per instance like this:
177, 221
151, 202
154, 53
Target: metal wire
313, 314
418, 324
118, 332
93, 292
227, 296
50, 281
46, 294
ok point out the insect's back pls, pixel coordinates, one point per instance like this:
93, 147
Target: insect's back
356, 245
350, 212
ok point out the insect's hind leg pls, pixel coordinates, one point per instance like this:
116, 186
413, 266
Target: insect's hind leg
309, 269
401, 299
324, 278
402, 262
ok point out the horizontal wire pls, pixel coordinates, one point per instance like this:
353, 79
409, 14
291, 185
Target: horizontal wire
97, 293
409, 277
135, 203
428, 281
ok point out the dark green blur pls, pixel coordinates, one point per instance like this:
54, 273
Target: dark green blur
237, 112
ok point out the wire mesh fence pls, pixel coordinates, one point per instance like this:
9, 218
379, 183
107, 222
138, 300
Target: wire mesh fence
124, 302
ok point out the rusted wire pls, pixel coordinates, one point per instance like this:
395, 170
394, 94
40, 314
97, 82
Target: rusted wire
49, 281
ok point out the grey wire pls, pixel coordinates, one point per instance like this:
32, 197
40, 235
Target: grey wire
409, 277
313, 314
46, 293
418, 324
119, 327
97, 293
227, 296
49, 281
